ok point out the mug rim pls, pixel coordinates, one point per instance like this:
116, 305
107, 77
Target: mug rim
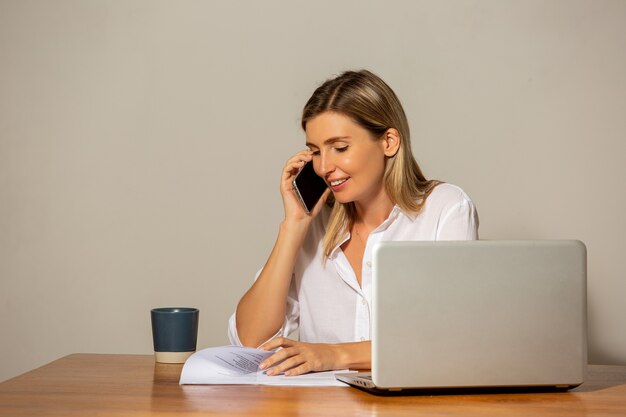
174, 310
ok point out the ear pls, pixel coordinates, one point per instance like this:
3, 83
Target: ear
391, 142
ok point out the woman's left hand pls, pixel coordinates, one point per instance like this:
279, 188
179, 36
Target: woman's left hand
296, 358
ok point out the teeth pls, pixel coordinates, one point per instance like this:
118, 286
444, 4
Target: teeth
337, 182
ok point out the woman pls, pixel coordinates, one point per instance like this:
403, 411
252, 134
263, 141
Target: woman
318, 276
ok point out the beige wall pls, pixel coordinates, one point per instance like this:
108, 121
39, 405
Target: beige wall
141, 143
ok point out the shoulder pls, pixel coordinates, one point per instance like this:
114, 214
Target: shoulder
447, 195
453, 213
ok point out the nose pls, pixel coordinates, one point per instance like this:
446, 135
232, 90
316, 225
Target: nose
325, 165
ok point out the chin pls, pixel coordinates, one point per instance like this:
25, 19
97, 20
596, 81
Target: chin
343, 199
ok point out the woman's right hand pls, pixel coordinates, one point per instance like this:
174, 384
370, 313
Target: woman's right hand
262, 310
291, 203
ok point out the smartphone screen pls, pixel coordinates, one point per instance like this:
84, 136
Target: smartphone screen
309, 186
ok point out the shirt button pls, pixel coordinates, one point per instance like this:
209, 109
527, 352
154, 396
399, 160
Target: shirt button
363, 301
362, 339
369, 264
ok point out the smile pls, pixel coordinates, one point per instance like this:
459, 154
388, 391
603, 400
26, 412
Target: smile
338, 182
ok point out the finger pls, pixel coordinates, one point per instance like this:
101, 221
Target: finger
298, 160
295, 163
292, 169
305, 156
286, 365
304, 368
276, 343
276, 358
272, 343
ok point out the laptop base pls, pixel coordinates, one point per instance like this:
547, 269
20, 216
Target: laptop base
368, 386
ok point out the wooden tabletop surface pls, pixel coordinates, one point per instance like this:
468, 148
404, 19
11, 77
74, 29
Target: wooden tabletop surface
134, 385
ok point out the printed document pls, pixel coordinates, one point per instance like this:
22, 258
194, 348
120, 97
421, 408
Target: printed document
240, 365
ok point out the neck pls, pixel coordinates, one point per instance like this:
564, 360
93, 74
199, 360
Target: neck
371, 214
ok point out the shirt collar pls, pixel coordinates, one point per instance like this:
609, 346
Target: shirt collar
393, 215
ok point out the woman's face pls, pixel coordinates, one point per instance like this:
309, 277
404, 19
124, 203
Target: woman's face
346, 155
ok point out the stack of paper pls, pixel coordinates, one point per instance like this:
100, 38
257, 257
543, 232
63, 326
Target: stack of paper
240, 365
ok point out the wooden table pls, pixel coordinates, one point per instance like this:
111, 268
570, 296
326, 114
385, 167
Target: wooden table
133, 385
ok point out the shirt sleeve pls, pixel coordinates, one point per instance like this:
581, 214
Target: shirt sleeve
458, 221
290, 324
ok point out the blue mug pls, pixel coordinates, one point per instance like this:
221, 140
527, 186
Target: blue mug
174, 333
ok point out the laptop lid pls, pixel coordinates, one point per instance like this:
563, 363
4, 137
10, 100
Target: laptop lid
478, 314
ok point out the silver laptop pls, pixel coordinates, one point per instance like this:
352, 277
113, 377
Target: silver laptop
477, 315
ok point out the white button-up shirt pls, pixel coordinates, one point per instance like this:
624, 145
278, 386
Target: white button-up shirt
326, 303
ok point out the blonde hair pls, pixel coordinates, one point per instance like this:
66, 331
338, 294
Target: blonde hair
371, 103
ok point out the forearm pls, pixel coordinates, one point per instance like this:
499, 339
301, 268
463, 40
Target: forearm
261, 311
356, 355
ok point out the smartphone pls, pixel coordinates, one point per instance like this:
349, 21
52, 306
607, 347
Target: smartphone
309, 186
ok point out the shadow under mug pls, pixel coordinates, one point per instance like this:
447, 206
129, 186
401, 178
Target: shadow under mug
174, 333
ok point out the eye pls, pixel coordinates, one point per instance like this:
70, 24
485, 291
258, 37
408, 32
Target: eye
342, 149
316, 152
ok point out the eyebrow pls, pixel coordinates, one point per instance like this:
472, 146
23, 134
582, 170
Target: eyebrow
330, 141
